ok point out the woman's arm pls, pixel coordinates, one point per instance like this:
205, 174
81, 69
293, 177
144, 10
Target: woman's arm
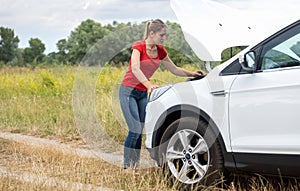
137, 72
168, 63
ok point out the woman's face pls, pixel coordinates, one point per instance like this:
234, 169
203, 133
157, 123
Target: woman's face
160, 36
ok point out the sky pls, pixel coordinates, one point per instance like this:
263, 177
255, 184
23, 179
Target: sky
53, 20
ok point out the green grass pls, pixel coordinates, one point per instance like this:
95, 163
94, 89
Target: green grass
37, 102
40, 102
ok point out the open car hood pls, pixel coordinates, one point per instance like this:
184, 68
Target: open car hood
210, 27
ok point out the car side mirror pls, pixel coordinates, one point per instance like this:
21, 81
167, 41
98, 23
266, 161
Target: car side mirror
248, 61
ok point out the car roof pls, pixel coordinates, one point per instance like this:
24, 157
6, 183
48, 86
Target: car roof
210, 27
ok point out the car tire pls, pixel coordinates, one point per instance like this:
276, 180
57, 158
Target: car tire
191, 155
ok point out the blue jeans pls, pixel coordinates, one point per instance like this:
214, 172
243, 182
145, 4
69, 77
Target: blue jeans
133, 104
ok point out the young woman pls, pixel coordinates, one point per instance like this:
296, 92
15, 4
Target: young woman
146, 56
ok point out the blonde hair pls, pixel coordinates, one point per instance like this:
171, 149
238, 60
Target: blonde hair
154, 26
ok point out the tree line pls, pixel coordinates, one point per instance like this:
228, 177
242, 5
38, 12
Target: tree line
94, 43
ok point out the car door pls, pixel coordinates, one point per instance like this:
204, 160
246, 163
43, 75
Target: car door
264, 106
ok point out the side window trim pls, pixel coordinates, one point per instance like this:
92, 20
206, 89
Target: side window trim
281, 69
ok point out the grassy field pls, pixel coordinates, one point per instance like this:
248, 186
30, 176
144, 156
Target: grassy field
40, 102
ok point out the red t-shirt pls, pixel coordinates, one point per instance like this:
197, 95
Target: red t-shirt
148, 65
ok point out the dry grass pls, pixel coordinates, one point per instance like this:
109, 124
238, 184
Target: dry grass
44, 162
70, 171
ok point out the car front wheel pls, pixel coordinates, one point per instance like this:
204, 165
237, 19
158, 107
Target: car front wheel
191, 153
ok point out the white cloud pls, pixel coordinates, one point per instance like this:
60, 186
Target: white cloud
87, 4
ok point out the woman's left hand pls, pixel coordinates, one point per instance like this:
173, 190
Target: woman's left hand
198, 73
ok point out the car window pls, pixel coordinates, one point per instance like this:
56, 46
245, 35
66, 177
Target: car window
284, 54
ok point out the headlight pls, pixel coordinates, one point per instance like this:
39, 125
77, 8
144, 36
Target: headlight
156, 93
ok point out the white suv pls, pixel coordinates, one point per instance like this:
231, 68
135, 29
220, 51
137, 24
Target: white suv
243, 116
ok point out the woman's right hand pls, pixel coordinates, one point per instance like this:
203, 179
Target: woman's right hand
151, 88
